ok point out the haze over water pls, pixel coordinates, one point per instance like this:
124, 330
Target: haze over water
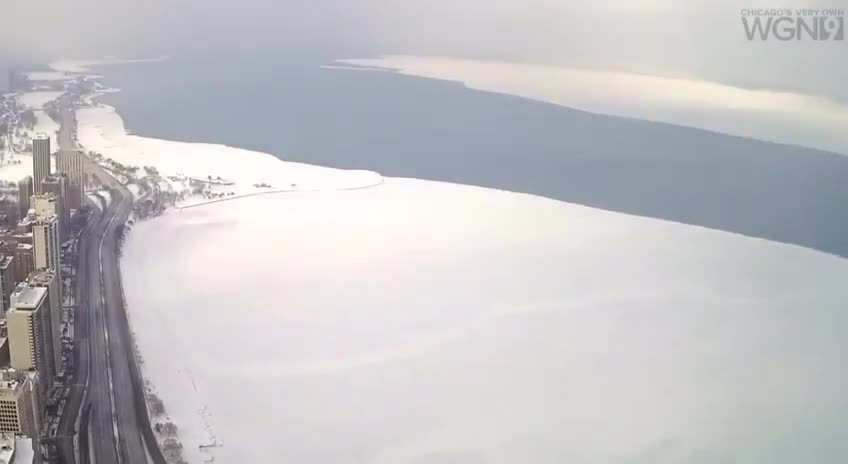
410, 127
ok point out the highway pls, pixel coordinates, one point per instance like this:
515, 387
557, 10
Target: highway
67, 423
107, 377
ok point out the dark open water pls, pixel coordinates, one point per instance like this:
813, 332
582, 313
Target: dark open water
410, 127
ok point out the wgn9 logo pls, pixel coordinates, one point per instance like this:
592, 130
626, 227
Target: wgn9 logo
833, 28
794, 28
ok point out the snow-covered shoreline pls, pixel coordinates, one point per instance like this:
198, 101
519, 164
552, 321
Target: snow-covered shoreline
228, 170
399, 320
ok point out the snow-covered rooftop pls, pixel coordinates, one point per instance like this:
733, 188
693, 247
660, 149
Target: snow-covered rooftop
7, 447
24, 453
26, 297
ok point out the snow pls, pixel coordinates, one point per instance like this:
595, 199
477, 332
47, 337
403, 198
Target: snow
135, 190
95, 196
353, 68
48, 76
84, 65
24, 453
16, 167
349, 317
428, 322
44, 124
102, 130
105, 194
763, 114
37, 100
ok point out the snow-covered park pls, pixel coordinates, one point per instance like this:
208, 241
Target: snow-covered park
16, 161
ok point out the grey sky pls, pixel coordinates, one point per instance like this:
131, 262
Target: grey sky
696, 39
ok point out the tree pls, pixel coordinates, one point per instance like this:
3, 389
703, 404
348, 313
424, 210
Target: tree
28, 119
156, 405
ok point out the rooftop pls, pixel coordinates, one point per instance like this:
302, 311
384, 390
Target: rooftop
24, 453
15, 449
44, 218
5, 261
42, 277
9, 385
52, 179
40, 136
26, 297
7, 447
46, 195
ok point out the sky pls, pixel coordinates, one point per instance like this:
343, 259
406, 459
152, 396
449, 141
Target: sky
699, 39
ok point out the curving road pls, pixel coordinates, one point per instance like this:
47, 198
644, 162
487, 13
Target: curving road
111, 388
108, 379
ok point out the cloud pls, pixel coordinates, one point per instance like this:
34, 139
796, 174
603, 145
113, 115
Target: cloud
696, 39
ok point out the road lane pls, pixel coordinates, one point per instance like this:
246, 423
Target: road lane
107, 376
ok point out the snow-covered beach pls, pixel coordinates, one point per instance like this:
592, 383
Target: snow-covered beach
353, 317
241, 172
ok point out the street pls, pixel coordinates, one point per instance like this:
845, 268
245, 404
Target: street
107, 376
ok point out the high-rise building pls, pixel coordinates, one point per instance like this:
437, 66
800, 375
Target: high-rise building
45, 204
40, 161
25, 224
30, 340
56, 185
16, 449
49, 279
20, 411
5, 359
24, 262
7, 280
9, 238
24, 193
45, 242
70, 163
20, 248
49, 204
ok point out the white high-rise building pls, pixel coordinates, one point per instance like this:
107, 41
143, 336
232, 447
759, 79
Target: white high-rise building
20, 412
50, 204
70, 163
45, 204
16, 449
55, 184
45, 242
40, 161
49, 279
30, 340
